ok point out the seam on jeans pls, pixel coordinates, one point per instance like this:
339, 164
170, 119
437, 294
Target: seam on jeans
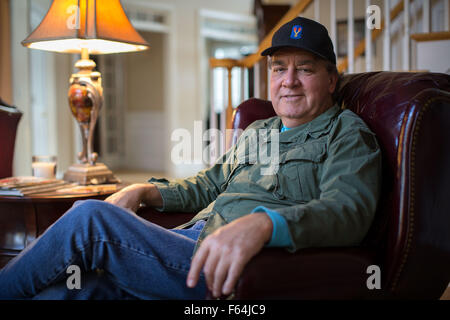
129, 289
143, 253
52, 279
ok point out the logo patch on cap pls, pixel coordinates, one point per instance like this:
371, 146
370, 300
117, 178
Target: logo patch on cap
296, 32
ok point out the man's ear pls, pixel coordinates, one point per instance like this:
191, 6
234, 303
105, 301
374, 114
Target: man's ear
333, 78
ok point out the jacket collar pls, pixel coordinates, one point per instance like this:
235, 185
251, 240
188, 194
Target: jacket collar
314, 128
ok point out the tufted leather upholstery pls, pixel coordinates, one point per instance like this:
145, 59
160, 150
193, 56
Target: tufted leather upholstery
9, 119
410, 237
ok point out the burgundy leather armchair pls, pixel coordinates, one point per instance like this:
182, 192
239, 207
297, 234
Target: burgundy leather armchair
410, 237
9, 120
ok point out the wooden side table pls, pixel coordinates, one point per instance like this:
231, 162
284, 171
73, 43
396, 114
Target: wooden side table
22, 219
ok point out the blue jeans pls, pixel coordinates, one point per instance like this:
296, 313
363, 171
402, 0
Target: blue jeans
120, 255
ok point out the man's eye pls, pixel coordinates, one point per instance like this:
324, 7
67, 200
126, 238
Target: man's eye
304, 70
278, 70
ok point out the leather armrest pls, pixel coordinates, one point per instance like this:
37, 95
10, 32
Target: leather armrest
274, 273
313, 273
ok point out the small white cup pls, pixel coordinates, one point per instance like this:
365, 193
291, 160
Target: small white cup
44, 166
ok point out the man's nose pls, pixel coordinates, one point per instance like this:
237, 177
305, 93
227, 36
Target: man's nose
290, 78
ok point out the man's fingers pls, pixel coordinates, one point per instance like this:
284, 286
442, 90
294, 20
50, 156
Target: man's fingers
196, 266
234, 272
220, 275
210, 266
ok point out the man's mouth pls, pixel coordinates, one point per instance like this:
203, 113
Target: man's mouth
291, 96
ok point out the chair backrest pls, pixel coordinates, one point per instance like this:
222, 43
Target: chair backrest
9, 119
410, 114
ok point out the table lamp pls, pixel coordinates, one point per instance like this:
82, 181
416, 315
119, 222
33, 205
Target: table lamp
86, 27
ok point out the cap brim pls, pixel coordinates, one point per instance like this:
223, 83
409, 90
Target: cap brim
271, 50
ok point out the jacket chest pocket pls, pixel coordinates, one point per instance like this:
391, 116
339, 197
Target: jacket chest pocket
298, 174
249, 178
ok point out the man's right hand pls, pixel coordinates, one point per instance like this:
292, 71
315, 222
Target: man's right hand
133, 195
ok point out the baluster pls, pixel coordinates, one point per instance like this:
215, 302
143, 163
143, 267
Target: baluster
229, 109
387, 36
406, 36
223, 112
223, 126
242, 94
368, 35
446, 18
317, 10
350, 38
256, 78
229, 97
333, 24
212, 122
426, 16
246, 83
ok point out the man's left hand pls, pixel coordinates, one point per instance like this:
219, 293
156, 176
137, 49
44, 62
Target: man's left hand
224, 253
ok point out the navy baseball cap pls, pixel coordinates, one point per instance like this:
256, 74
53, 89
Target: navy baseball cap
306, 34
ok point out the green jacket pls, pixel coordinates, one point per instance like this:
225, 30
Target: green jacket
325, 180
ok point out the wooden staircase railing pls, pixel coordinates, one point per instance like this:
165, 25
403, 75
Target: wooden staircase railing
252, 59
431, 36
361, 46
296, 10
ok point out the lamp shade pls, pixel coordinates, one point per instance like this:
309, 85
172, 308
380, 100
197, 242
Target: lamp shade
101, 26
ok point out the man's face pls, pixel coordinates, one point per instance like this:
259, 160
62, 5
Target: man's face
300, 86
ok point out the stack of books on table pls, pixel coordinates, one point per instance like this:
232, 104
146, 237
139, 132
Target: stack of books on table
90, 189
33, 186
28, 186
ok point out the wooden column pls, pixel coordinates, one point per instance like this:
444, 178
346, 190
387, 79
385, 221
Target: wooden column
228, 64
229, 112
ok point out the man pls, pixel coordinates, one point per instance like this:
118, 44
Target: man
323, 193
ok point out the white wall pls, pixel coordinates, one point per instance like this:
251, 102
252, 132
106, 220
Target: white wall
146, 141
146, 136
21, 87
55, 77
433, 56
